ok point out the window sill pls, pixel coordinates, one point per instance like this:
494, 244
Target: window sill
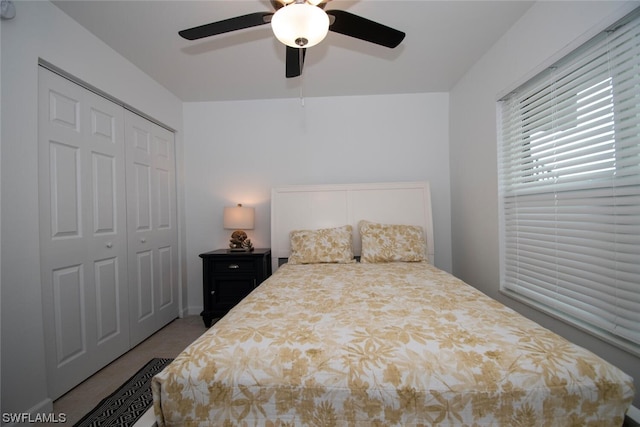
578, 324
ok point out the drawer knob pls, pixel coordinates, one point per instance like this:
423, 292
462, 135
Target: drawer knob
213, 292
234, 266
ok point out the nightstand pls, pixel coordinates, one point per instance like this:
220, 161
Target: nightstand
228, 277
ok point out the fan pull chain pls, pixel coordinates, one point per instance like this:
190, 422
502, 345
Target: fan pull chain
301, 61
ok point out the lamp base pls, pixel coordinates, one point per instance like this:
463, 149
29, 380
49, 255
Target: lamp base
240, 249
239, 242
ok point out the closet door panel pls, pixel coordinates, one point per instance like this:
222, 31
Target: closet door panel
143, 287
83, 243
164, 199
152, 233
104, 194
108, 310
139, 208
166, 224
167, 277
140, 195
69, 309
64, 188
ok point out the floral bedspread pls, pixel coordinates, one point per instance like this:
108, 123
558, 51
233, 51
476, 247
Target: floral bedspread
394, 344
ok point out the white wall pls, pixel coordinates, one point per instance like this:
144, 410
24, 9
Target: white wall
235, 152
41, 30
545, 33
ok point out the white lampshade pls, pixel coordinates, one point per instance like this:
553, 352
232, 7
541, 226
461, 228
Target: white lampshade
300, 25
238, 218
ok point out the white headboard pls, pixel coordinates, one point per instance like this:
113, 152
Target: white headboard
311, 207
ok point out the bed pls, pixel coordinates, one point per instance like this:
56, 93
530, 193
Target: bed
386, 340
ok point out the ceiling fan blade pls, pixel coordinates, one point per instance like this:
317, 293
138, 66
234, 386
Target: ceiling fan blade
361, 28
295, 61
227, 25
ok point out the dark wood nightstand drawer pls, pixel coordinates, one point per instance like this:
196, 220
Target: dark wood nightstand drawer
234, 266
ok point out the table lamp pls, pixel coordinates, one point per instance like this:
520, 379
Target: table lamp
239, 218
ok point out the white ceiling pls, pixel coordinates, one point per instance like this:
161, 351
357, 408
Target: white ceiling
444, 38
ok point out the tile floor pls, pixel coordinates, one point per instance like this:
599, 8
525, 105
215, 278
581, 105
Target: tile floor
167, 342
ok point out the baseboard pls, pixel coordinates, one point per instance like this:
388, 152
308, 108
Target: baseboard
194, 311
182, 312
634, 414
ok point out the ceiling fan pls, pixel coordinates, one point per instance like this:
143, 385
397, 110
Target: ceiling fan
300, 24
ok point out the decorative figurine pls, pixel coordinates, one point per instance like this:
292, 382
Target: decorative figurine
240, 242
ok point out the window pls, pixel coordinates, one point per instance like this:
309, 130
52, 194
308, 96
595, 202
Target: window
570, 188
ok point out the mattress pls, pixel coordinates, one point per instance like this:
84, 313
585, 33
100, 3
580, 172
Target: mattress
401, 344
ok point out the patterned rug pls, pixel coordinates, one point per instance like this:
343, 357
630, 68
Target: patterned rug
129, 402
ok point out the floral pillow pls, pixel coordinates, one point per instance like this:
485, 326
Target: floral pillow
390, 243
327, 245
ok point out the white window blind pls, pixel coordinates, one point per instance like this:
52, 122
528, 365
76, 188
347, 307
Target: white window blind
570, 187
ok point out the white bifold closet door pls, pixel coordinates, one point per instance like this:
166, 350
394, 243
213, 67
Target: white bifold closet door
108, 241
151, 225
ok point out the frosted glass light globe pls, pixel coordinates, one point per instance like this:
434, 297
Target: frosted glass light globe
300, 25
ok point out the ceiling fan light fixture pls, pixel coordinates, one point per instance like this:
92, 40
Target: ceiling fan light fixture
300, 25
